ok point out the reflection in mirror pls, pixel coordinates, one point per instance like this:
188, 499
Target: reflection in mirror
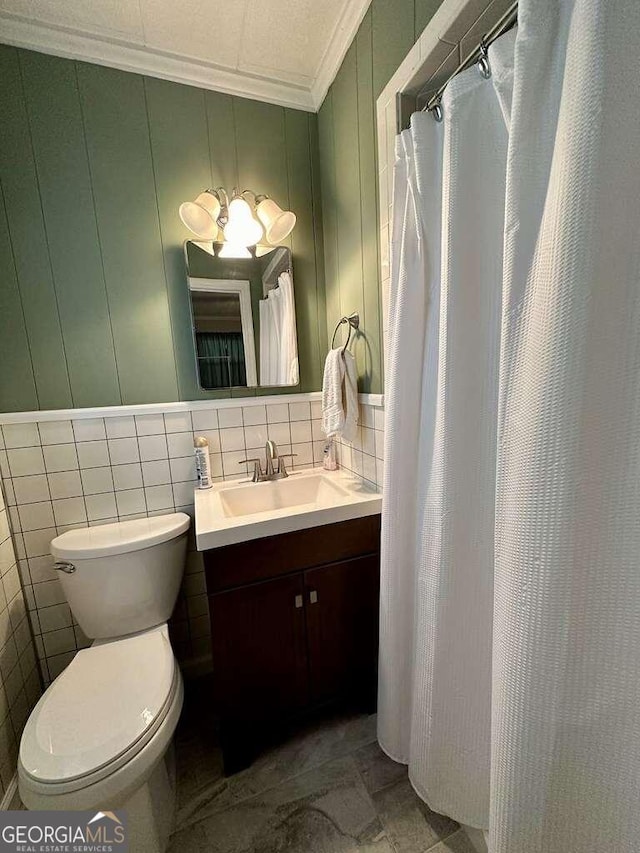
243, 311
223, 329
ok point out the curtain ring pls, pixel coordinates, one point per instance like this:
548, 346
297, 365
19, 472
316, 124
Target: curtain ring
483, 63
437, 111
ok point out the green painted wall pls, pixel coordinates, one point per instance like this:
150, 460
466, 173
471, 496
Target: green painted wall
348, 172
94, 162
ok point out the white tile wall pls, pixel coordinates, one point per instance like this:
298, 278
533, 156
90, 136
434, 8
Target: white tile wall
98, 470
20, 685
364, 457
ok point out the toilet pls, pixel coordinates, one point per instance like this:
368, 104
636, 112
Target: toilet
100, 737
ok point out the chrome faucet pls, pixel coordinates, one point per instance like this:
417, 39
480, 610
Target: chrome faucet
271, 456
274, 469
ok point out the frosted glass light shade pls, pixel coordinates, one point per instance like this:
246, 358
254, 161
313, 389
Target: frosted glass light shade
242, 229
200, 216
263, 249
232, 250
278, 223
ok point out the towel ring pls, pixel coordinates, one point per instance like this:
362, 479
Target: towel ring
354, 323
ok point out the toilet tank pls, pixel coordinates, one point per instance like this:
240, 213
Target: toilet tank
124, 577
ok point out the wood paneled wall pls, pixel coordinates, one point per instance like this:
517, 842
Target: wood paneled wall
94, 163
348, 161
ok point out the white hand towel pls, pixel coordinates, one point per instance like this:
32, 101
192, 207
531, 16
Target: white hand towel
332, 411
350, 397
340, 395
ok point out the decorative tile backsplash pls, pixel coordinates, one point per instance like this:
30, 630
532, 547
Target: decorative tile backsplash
60, 474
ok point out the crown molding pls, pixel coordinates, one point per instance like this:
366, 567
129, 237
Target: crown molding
139, 59
341, 38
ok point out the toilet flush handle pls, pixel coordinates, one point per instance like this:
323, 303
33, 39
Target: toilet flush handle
67, 568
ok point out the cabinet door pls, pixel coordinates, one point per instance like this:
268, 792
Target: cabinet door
342, 628
259, 652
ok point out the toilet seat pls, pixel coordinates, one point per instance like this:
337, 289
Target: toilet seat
100, 712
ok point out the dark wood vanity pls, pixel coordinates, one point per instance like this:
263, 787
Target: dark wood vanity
294, 622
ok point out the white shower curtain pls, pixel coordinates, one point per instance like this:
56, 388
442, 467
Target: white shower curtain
278, 341
531, 371
437, 546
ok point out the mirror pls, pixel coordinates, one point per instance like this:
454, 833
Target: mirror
223, 328
243, 316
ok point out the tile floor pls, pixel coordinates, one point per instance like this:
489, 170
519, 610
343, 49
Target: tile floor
328, 789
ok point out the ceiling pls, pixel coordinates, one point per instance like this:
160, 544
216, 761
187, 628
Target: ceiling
281, 51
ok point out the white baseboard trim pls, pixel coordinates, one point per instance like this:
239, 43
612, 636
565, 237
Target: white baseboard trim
11, 797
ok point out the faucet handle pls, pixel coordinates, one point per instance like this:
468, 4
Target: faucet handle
282, 470
257, 467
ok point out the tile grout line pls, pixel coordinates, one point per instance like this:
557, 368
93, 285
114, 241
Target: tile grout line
447, 838
369, 794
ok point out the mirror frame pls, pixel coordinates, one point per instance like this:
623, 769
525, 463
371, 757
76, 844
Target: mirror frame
243, 289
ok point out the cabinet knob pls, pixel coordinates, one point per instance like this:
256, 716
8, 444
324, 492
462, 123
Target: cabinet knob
298, 602
313, 597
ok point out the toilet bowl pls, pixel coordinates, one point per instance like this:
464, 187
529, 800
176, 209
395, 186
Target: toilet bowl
100, 736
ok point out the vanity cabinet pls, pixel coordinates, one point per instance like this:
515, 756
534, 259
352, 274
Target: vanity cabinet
294, 624
342, 629
259, 649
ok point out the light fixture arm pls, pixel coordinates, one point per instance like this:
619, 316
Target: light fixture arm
221, 194
257, 197
217, 191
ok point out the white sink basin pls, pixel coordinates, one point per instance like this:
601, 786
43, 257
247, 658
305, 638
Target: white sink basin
316, 489
239, 510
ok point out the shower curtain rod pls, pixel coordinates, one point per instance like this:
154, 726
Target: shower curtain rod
508, 19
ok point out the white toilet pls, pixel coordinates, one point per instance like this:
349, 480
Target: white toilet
99, 737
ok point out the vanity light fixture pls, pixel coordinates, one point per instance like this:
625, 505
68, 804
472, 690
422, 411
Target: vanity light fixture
241, 229
233, 250
212, 210
278, 223
201, 215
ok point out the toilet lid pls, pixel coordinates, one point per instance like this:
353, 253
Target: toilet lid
108, 697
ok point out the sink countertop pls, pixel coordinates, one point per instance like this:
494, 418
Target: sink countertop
341, 496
